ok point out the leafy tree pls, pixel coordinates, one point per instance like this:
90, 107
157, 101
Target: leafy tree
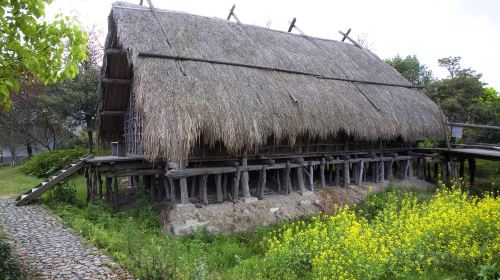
30, 46
452, 64
76, 100
411, 68
30, 121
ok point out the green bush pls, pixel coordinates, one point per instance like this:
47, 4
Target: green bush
47, 163
64, 192
10, 268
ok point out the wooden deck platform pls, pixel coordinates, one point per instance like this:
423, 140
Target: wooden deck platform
97, 159
489, 154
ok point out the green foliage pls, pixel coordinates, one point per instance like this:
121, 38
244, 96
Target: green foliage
10, 267
31, 46
47, 163
64, 192
428, 143
410, 67
407, 237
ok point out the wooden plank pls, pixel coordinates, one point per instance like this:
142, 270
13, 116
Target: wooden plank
475, 125
116, 81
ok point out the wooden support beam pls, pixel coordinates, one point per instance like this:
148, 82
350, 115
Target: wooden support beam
436, 171
382, 171
99, 183
444, 170
224, 187
292, 24
262, 186
406, 169
346, 34
165, 186
288, 181
115, 194
218, 187
245, 188
322, 172
278, 180
113, 51
193, 187
107, 196
391, 170
350, 39
92, 184
112, 113
173, 195
373, 166
236, 184
337, 175
418, 168
184, 191
116, 81
203, 189
461, 171
330, 174
346, 176
87, 181
311, 178
475, 125
300, 179
361, 172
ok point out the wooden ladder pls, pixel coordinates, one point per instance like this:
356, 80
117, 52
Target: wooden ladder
55, 179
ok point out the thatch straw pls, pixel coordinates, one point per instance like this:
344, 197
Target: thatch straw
242, 106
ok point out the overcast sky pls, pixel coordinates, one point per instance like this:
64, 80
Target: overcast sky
430, 29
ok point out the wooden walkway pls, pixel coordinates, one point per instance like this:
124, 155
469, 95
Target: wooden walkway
489, 154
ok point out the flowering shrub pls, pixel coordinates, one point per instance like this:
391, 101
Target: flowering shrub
407, 239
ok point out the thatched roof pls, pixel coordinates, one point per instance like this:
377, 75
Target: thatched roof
216, 91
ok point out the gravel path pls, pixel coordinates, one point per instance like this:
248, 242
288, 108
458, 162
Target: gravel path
52, 250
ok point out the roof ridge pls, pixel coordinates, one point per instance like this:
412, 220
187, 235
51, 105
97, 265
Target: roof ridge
130, 6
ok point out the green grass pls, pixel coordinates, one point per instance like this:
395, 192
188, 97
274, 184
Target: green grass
135, 238
13, 182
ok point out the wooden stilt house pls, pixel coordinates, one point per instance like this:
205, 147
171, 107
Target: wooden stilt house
224, 110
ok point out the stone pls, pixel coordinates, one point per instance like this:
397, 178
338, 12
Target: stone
49, 248
249, 199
